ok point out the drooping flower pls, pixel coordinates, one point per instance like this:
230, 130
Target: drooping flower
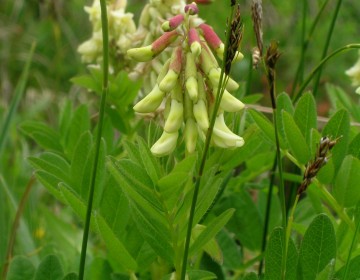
354, 73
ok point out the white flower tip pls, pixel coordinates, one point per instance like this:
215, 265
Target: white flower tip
169, 81
165, 145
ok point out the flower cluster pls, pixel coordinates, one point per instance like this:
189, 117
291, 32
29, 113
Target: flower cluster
121, 28
354, 74
187, 83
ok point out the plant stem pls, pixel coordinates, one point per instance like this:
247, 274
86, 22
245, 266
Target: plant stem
326, 46
104, 23
15, 226
353, 242
321, 63
267, 214
220, 92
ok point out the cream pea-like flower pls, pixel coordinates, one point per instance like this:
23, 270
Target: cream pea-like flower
188, 83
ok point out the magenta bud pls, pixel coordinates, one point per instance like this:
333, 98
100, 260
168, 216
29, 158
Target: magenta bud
194, 42
210, 36
172, 23
192, 9
163, 41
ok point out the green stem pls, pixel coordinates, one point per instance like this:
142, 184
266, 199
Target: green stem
318, 67
352, 247
267, 214
326, 46
220, 91
104, 22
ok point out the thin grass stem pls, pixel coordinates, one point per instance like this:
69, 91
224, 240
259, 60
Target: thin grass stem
326, 46
267, 214
220, 91
104, 23
318, 67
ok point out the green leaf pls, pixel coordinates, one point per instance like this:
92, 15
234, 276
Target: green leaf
43, 135
20, 268
80, 123
146, 208
273, 257
346, 187
149, 162
354, 147
79, 159
231, 251
318, 247
52, 164
305, 115
283, 103
99, 268
353, 272
246, 222
338, 126
264, 124
50, 182
194, 275
211, 230
49, 269
295, 139
88, 82
71, 276
115, 247
328, 271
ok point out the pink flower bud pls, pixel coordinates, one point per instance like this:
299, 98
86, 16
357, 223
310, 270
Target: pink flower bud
194, 42
192, 9
210, 36
163, 41
170, 79
172, 23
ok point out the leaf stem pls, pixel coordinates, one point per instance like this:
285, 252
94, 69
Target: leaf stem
104, 22
15, 225
326, 46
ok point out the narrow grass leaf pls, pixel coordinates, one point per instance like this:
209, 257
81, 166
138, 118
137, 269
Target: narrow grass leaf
20, 268
295, 139
318, 247
19, 92
49, 269
305, 115
211, 230
346, 187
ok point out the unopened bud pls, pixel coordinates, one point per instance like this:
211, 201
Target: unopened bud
201, 115
166, 144
194, 42
207, 62
170, 79
190, 77
141, 54
210, 36
150, 102
190, 135
172, 23
192, 9
175, 117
